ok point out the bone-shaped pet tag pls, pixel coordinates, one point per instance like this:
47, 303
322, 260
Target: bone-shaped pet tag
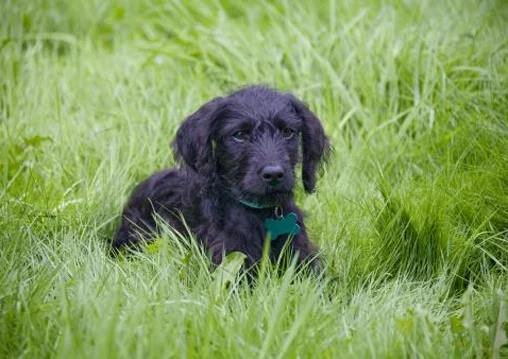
285, 225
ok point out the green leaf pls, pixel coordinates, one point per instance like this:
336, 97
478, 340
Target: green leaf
154, 246
226, 273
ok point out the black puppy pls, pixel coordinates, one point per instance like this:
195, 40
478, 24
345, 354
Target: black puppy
235, 185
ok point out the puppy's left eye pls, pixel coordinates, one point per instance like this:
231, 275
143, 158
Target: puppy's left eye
287, 132
241, 136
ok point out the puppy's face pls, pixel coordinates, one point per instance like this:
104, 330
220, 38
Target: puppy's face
256, 147
249, 142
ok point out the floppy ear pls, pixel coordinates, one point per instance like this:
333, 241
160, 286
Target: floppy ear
315, 144
193, 143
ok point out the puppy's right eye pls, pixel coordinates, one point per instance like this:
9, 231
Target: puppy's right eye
241, 136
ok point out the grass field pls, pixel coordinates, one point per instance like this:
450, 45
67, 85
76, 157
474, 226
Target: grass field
411, 213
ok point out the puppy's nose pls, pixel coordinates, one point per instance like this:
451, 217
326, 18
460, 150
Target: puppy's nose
272, 173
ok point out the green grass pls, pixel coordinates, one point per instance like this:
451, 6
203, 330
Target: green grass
411, 214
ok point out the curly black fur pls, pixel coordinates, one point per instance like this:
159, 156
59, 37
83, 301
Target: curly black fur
242, 146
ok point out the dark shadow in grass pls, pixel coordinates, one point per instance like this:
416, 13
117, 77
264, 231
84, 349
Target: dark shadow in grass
408, 246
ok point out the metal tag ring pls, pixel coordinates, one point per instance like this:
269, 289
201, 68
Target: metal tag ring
278, 212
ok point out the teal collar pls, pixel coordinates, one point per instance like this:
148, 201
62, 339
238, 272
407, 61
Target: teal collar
256, 205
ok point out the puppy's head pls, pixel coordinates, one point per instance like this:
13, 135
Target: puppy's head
249, 141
